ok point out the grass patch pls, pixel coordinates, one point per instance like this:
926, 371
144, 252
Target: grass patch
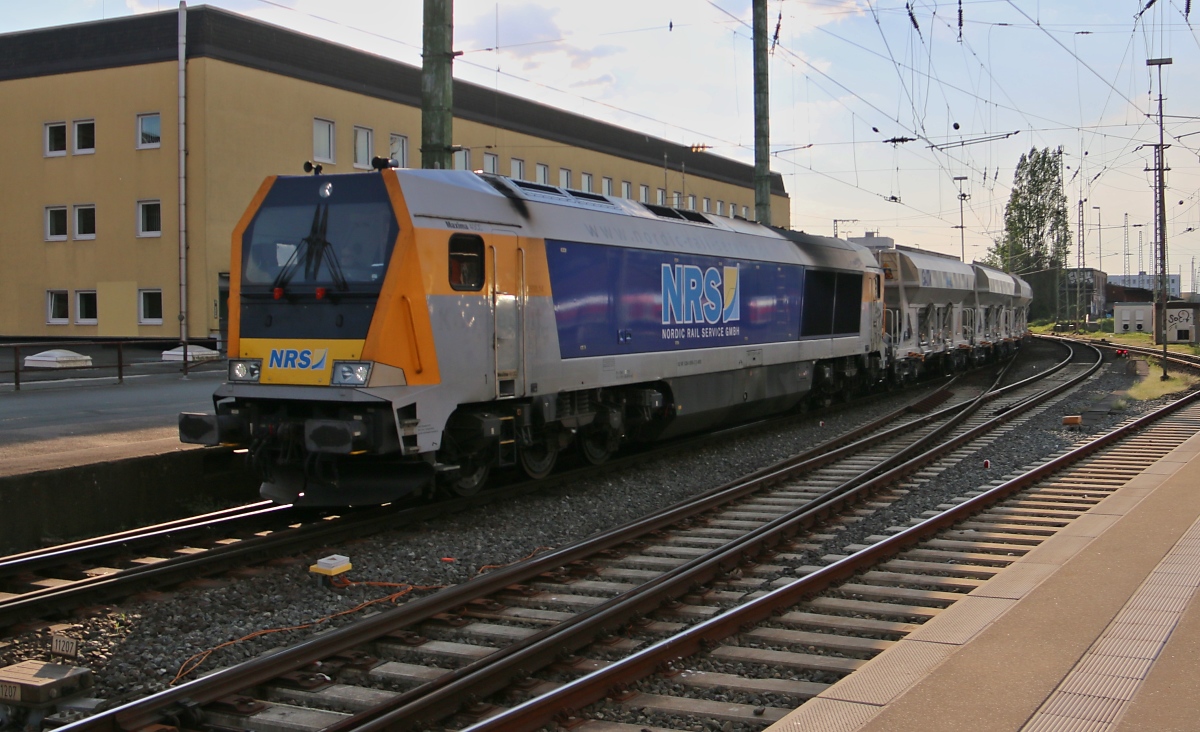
1153, 387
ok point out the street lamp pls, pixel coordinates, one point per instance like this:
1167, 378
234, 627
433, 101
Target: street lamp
962, 235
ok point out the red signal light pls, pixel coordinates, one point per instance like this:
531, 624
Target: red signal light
278, 292
320, 293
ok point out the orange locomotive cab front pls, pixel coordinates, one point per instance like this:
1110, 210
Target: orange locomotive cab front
329, 314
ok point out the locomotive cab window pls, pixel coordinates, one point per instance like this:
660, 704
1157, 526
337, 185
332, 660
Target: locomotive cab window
466, 262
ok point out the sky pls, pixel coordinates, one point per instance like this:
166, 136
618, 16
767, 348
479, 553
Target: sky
878, 107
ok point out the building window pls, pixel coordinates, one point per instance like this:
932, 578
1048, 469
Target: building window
85, 307
675, 197
626, 189
707, 203
364, 143
85, 222
606, 186
56, 223
462, 159
466, 262
491, 163
517, 169
149, 129
55, 140
691, 202
720, 208
85, 136
644, 193
585, 182
323, 140
543, 174
661, 197
745, 213
398, 150
56, 307
564, 178
149, 218
150, 307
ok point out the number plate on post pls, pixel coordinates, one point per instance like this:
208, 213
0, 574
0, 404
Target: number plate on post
61, 645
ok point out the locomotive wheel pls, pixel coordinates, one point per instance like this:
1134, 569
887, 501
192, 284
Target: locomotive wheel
538, 460
471, 479
596, 446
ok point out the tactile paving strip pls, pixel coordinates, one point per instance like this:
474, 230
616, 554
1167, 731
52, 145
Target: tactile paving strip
1096, 691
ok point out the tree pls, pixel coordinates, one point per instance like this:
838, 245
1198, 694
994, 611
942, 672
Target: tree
1037, 234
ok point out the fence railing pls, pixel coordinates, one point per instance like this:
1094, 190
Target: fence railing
106, 359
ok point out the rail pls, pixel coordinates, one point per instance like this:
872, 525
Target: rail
108, 358
184, 701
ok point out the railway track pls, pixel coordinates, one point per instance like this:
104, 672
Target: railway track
685, 568
52, 581
1182, 359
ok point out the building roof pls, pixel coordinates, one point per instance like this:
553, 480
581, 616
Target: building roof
218, 34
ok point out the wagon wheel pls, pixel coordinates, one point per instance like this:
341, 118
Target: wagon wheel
471, 478
596, 445
538, 459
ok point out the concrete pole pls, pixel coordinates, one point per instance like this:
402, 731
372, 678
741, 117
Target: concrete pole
182, 133
762, 118
437, 85
1160, 192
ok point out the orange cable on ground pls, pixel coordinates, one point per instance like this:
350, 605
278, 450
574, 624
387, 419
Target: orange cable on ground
194, 662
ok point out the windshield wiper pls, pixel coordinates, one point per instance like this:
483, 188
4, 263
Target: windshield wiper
315, 249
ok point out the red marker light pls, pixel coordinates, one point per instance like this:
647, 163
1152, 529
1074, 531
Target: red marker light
278, 293
320, 293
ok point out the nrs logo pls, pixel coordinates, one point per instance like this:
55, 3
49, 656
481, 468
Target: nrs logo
693, 295
291, 358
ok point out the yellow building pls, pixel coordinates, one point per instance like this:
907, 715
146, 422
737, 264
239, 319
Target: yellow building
90, 202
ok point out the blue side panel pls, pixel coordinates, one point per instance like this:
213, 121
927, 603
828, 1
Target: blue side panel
614, 300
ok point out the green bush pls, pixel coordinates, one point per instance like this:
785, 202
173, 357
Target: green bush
1106, 325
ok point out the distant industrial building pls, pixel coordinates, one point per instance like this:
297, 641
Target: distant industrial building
1082, 294
872, 240
94, 220
1144, 281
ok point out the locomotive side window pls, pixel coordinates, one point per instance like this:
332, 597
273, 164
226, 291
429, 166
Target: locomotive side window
466, 262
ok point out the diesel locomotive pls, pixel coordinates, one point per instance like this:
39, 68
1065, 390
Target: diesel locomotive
402, 331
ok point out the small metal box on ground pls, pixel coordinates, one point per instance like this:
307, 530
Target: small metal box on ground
40, 683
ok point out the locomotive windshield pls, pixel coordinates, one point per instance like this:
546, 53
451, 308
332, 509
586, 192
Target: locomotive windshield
328, 231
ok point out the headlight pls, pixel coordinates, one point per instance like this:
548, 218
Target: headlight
350, 373
245, 369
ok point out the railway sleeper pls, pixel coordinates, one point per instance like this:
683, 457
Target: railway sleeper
703, 709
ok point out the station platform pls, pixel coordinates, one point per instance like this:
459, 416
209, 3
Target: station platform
1096, 629
64, 424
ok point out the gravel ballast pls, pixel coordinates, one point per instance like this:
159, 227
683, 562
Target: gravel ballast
140, 648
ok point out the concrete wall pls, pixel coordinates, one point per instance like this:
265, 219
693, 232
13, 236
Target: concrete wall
37, 509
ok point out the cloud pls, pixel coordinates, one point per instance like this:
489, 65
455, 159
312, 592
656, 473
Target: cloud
525, 31
581, 57
148, 6
606, 81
